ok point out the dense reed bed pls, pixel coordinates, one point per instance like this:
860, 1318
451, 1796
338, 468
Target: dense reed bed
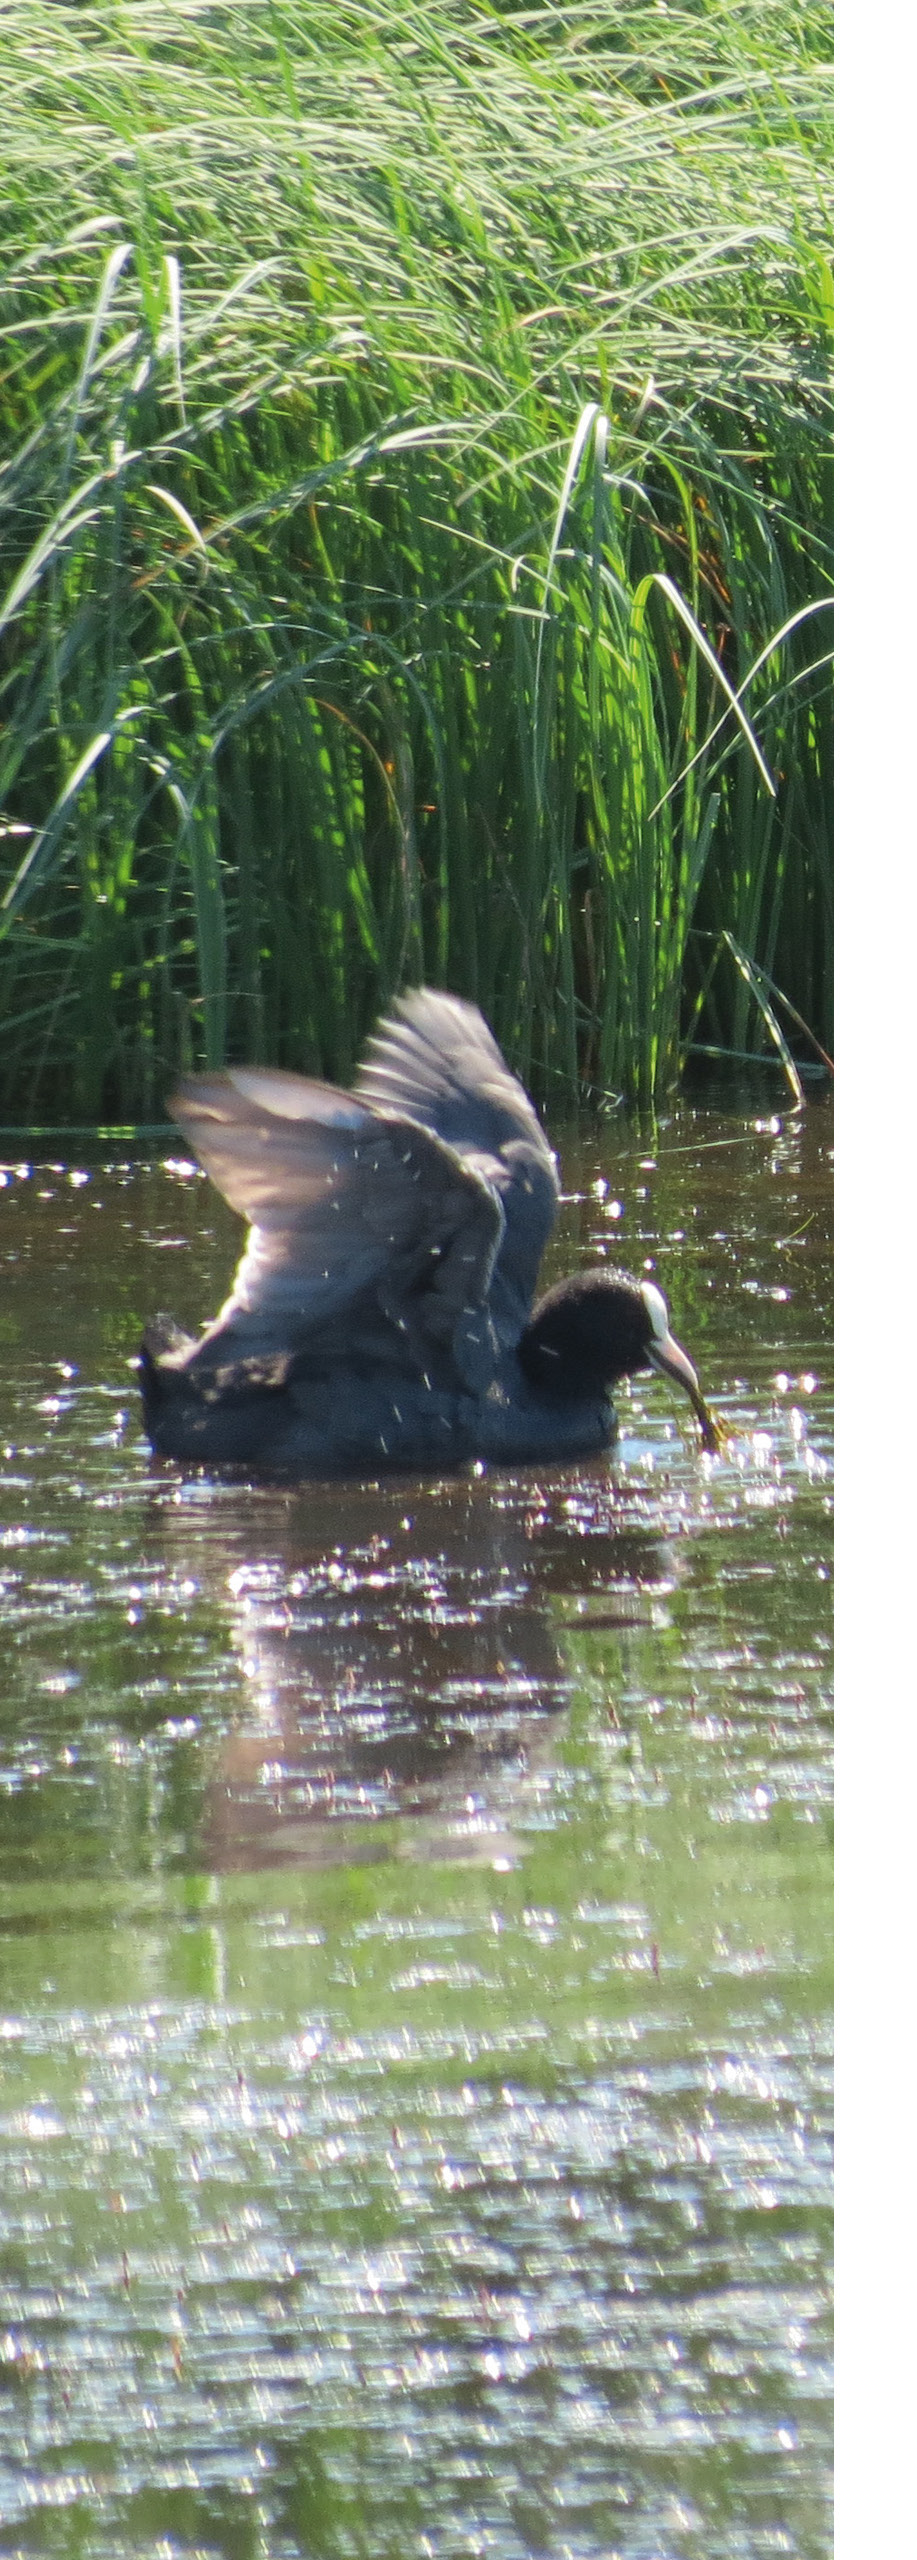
413, 534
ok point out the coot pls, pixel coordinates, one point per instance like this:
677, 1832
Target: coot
382, 1313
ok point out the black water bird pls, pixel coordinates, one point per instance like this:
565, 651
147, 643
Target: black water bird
382, 1315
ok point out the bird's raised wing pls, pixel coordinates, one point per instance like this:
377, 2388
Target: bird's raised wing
368, 1236
435, 1063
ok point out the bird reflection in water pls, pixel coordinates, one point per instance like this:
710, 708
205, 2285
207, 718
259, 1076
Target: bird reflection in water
403, 1655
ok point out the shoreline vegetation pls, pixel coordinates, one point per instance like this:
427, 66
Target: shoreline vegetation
414, 537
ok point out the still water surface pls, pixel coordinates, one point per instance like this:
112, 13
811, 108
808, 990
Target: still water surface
414, 1920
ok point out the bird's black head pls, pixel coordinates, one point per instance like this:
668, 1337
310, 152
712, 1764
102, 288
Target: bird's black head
589, 1331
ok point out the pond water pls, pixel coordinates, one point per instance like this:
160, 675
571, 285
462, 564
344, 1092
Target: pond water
415, 1919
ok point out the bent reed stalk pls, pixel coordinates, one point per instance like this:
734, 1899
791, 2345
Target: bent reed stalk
414, 536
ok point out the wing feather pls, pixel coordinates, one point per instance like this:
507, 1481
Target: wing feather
434, 1061
367, 1234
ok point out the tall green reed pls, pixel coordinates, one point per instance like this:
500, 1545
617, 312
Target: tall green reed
413, 519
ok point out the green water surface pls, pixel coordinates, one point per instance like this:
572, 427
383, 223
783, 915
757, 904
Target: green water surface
414, 1921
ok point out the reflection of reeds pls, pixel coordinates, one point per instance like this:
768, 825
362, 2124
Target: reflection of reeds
368, 611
